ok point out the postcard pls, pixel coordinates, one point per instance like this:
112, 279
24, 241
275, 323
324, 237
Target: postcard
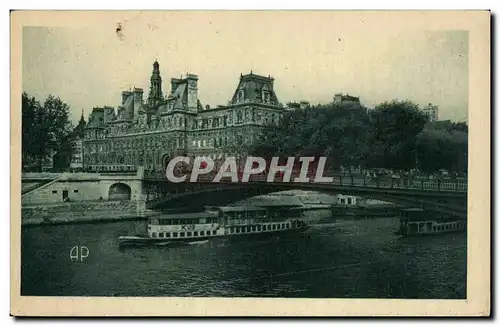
250, 163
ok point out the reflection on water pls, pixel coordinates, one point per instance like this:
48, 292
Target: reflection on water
344, 259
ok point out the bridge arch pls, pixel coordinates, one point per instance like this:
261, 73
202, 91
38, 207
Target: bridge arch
119, 191
207, 194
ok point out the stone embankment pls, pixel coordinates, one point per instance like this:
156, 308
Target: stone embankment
80, 212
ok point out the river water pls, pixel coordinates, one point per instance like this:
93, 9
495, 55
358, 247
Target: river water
339, 259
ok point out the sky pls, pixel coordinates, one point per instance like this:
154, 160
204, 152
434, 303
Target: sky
311, 55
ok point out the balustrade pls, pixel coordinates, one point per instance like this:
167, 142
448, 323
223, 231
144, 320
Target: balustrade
417, 183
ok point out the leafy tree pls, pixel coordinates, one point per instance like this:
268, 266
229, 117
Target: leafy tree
46, 129
338, 131
395, 126
442, 149
30, 110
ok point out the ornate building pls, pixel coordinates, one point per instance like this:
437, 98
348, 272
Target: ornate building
149, 133
340, 98
76, 163
432, 111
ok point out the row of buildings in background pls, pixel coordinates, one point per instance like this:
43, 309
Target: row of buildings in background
150, 132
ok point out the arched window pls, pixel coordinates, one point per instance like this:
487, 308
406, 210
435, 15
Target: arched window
241, 95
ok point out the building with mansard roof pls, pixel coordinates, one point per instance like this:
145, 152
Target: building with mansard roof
78, 136
150, 132
340, 98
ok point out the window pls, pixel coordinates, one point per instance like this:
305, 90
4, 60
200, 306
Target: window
258, 227
279, 226
182, 234
153, 234
349, 201
54, 191
264, 227
237, 230
75, 191
167, 234
253, 228
161, 234
195, 233
202, 233
175, 234
274, 226
189, 234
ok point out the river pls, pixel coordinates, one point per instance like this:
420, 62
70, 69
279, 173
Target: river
341, 259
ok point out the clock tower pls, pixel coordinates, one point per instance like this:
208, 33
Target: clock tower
155, 97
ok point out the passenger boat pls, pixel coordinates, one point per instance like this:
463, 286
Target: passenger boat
219, 222
415, 221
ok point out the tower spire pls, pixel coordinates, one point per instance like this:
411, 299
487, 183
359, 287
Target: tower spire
82, 119
155, 93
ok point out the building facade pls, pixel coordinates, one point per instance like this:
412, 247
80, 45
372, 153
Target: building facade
76, 163
291, 106
150, 132
432, 111
340, 98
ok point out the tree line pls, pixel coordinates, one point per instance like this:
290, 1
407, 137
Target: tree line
46, 132
394, 135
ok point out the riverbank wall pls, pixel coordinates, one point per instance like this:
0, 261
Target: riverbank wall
81, 212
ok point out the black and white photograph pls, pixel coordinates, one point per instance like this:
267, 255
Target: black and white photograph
252, 154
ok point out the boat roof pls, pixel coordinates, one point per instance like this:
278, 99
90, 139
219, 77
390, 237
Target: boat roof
240, 208
186, 215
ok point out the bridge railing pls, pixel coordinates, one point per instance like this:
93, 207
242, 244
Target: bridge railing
417, 183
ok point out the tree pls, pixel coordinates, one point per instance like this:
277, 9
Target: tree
395, 126
338, 131
45, 129
30, 110
442, 149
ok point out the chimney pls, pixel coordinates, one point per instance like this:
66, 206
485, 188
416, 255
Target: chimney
125, 95
174, 83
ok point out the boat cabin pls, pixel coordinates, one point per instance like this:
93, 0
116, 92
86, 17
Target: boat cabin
185, 219
233, 215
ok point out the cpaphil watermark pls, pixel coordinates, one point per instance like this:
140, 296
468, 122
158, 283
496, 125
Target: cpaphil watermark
302, 169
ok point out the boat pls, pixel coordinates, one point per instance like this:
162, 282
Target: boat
219, 222
415, 221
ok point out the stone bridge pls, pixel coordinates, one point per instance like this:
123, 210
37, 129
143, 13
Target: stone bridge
152, 192
447, 197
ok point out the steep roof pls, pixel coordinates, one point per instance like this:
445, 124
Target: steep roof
252, 87
79, 130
